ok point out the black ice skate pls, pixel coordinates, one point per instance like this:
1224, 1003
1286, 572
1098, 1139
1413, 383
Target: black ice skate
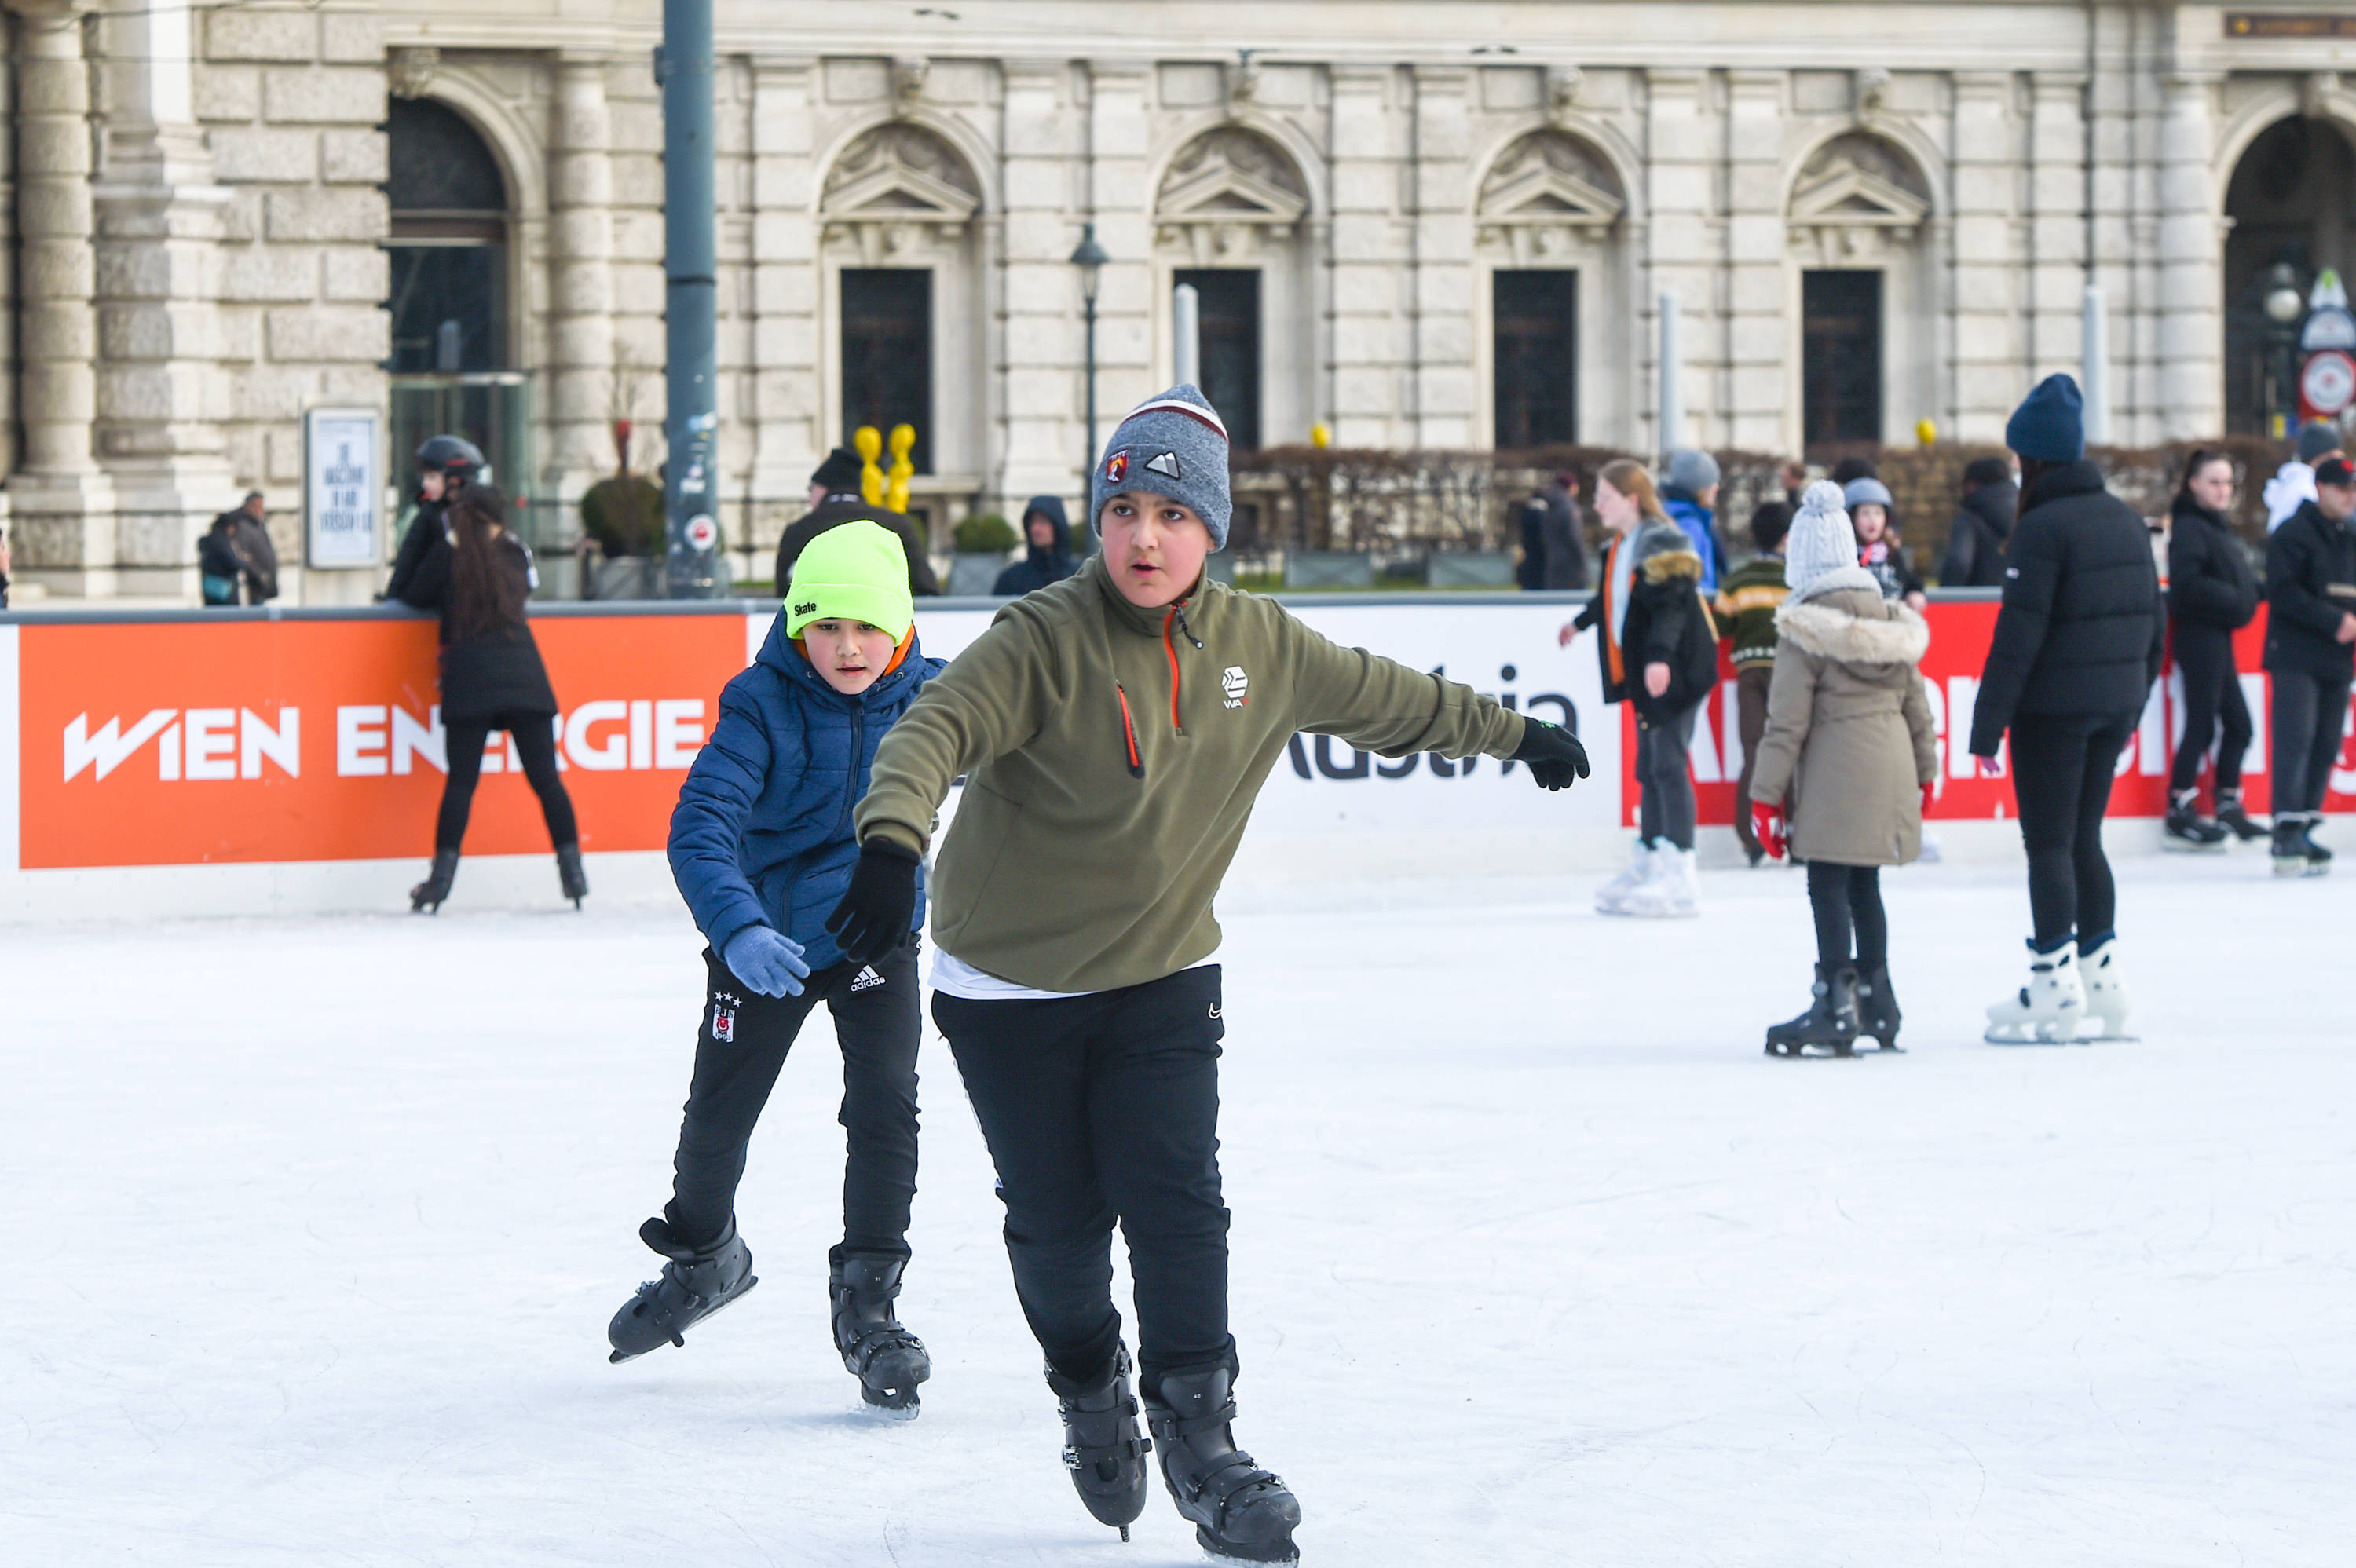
2294, 853
426, 896
1830, 1025
568, 874
1102, 1448
1241, 1512
2236, 821
696, 1282
2319, 858
1876, 1007
2187, 831
888, 1360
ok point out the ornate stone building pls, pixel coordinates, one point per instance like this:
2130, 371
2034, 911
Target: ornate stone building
1869, 213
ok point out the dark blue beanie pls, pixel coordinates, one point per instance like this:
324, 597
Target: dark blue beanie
2050, 426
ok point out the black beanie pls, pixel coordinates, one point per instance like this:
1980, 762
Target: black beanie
1981, 472
839, 472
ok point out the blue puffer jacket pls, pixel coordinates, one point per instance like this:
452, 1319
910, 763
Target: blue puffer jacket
1685, 510
762, 832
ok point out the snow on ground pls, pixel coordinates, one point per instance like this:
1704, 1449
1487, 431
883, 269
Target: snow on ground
315, 1226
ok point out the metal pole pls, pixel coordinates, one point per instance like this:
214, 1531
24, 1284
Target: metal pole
1186, 334
691, 424
1673, 408
1088, 533
2095, 367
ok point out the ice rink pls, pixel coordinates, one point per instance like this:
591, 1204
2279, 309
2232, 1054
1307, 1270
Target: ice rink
315, 1227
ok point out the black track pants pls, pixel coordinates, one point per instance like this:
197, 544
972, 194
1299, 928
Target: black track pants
878, 1019
1101, 1110
1664, 771
2061, 769
2311, 715
1750, 687
2214, 708
535, 747
1847, 899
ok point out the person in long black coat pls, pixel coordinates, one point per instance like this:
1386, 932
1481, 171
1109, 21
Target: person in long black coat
835, 500
1046, 561
2211, 595
2077, 645
1983, 525
2310, 658
478, 576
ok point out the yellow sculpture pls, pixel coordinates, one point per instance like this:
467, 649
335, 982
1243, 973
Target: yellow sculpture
1926, 433
903, 437
1319, 435
868, 442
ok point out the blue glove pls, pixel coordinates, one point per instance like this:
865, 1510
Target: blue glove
767, 960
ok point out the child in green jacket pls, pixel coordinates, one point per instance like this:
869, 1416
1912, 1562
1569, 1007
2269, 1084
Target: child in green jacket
1114, 729
1747, 604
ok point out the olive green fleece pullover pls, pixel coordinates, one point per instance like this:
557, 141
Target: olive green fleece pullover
1112, 755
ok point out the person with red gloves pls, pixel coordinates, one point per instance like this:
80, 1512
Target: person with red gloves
1845, 772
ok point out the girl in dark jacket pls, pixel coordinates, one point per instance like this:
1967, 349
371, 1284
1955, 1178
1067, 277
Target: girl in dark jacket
478, 575
1659, 651
2211, 595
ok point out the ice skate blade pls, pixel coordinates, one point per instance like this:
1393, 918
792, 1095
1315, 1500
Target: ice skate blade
2302, 866
2027, 1034
1284, 1552
881, 1412
679, 1338
2186, 847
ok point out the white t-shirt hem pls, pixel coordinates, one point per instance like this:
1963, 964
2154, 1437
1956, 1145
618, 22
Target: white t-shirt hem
953, 976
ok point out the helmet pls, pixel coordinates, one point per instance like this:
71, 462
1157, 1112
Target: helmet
444, 453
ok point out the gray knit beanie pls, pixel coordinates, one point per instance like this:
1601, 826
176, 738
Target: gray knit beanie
1821, 541
1693, 470
1174, 445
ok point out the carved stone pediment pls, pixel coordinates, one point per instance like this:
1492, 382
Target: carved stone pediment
1549, 196
1859, 182
897, 189
1226, 192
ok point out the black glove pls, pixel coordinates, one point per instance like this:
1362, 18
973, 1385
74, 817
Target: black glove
1557, 759
878, 910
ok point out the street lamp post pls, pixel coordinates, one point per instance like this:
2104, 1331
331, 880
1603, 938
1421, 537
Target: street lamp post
2284, 304
1089, 258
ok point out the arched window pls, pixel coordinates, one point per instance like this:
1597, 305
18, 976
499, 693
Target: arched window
1549, 212
449, 244
1855, 225
2292, 202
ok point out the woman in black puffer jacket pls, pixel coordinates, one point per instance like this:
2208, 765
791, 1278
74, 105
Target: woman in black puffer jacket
478, 576
2211, 595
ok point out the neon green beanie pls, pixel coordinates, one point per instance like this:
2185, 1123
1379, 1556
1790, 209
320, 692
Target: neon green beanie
853, 572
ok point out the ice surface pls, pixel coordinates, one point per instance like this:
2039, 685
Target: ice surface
315, 1227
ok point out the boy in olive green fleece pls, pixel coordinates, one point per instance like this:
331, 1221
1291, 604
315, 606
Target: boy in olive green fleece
1114, 729
1747, 601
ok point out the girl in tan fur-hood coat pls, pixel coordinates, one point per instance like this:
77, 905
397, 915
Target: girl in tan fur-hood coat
1847, 761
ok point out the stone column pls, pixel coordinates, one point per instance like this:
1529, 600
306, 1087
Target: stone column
2192, 247
1677, 137
581, 404
1036, 412
1120, 204
1366, 259
161, 385
1987, 301
1441, 353
1761, 412
61, 504
2057, 224
785, 407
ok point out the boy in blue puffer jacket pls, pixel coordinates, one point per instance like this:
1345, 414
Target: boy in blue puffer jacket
762, 847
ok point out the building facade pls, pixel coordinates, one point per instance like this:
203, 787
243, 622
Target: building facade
1869, 214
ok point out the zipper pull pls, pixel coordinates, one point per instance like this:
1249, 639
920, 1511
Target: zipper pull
1180, 609
1128, 734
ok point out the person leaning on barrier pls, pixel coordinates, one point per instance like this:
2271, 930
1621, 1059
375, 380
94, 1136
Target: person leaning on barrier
834, 500
236, 554
447, 464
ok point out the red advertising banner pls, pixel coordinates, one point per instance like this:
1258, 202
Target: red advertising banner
187, 744
1951, 671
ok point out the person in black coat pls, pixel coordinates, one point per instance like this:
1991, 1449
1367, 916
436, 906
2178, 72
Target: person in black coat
834, 498
2312, 658
447, 464
1565, 556
1983, 524
1049, 535
1530, 572
2077, 645
2211, 595
478, 576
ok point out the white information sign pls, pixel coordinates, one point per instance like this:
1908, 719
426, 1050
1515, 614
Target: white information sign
343, 487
